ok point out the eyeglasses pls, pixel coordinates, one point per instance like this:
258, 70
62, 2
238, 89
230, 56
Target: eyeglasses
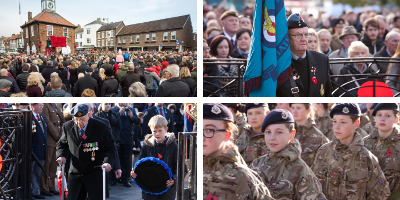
206, 49
209, 132
299, 35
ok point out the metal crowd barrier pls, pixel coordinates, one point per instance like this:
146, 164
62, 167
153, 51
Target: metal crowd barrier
191, 191
370, 61
15, 152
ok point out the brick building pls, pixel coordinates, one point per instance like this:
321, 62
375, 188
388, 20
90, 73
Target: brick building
48, 22
158, 35
106, 35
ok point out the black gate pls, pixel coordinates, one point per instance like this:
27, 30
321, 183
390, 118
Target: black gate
191, 191
15, 152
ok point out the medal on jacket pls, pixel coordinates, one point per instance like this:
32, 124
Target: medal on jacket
295, 74
33, 127
314, 78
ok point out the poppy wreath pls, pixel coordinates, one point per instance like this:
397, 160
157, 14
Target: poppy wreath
59, 183
58, 41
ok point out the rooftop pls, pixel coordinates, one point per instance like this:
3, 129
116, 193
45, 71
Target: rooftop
158, 25
50, 17
109, 26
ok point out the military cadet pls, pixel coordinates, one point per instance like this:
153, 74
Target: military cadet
384, 143
240, 119
308, 75
369, 126
308, 135
225, 174
251, 142
91, 146
345, 168
283, 171
322, 120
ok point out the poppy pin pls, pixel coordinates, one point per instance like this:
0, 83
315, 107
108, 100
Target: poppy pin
211, 197
159, 156
84, 137
314, 80
389, 152
274, 187
34, 118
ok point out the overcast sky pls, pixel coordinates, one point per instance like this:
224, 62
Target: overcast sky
83, 12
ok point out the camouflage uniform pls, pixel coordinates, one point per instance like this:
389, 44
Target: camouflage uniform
350, 172
287, 176
251, 144
240, 122
387, 150
324, 123
365, 118
310, 139
225, 179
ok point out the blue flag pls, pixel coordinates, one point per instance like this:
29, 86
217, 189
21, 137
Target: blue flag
269, 49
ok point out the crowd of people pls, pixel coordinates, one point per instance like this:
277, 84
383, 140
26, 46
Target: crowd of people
128, 125
301, 151
100, 74
227, 34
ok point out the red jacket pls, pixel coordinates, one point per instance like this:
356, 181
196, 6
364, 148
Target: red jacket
164, 64
116, 68
155, 69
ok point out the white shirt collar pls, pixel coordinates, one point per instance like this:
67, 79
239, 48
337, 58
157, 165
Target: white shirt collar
296, 57
229, 37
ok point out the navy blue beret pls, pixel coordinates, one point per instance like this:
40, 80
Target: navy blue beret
254, 105
79, 110
278, 116
385, 106
296, 21
231, 105
373, 106
345, 109
217, 111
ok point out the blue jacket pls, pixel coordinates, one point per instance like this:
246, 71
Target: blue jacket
126, 133
39, 138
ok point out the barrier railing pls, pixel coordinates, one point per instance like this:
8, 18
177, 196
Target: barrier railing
191, 191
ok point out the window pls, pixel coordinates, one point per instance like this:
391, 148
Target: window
147, 37
153, 37
132, 37
98, 35
137, 38
194, 37
102, 34
112, 33
65, 32
108, 34
89, 40
98, 43
32, 30
49, 30
27, 32
102, 42
173, 35
123, 40
88, 31
165, 36
119, 40
81, 44
112, 42
81, 36
108, 43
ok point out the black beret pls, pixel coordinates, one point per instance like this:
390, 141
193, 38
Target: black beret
217, 111
335, 22
385, 106
79, 110
278, 116
296, 21
345, 109
255, 105
373, 106
231, 105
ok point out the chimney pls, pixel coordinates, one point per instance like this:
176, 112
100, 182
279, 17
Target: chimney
29, 16
98, 19
79, 25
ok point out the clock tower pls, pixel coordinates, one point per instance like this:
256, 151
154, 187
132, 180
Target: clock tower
49, 5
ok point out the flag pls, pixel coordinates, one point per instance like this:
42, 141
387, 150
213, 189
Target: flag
269, 49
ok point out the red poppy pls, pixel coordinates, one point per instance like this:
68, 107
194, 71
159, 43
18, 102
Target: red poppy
211, 197
314, 80
274, 187
159, 156
34, 118
389, 152
205, 75
84, 137
333, 175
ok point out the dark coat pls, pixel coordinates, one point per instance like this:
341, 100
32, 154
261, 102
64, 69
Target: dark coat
4, 94
48, 88
126, 125
33, 91
13, 71
63, 74
22, 80
191, 83
98, 80
379, 43
127, 80
169, 152
383, 66
41, 67
57, 93
211, 85
174, 87
65, 63
321, 62
39, 138
82, 68
83, 83
151, 112
14, 86
47, 72
109, 88
235, 54
73, 76
115, 123
349, 69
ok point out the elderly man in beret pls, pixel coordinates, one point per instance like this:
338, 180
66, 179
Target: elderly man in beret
91, 146
230, 23
5, 86
308, 76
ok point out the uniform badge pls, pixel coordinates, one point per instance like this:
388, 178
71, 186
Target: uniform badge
79, 114
215, 110
256, 104
345, 110
284, 115
322, 91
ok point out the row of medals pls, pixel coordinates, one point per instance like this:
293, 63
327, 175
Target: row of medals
91, 147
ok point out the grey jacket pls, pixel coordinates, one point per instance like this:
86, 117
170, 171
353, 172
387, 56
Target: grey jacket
150, 77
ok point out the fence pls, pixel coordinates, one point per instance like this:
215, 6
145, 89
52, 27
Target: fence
191, 191
374, 63
15, 152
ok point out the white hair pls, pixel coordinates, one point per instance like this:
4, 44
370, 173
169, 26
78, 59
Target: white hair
174, 70
357, 45
54, 74
324, 31
390, 34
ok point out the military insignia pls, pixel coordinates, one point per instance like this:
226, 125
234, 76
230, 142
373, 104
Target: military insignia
256, 104
381, 181
322, 91
79, 114
215, 110
345, 110
284, 115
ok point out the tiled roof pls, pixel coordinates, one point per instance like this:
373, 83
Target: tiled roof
50, 17
158, 25
95, 22
14, 37
19, 36
110, 26
79, 30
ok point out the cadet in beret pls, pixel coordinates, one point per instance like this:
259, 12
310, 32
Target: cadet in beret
230, 23
308, 76
282, 169
225, 174
345, 168
384, 143
308, 135
323, 121
240, 119
91, 145
251, 143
